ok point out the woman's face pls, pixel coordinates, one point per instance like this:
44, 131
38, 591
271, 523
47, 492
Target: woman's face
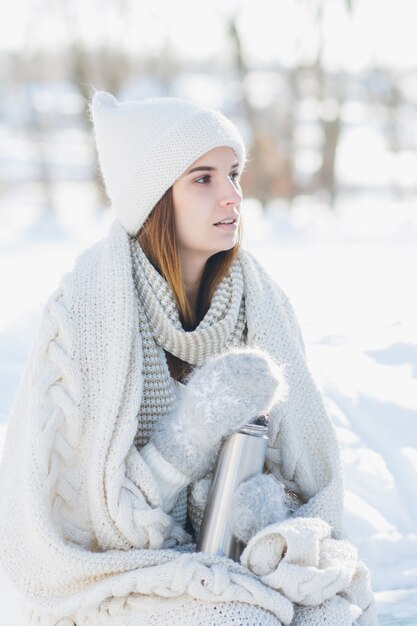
206, 194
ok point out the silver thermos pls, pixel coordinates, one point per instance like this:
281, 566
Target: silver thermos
241, 456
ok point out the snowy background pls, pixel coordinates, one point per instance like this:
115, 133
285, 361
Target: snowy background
351, 279
325, 94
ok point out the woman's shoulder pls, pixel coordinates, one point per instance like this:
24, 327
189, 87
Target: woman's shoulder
97, 297
103, 267
256, 275
113, 248
99, 288
266, 299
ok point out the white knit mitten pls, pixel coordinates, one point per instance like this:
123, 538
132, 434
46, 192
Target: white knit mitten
257, 503
229, 391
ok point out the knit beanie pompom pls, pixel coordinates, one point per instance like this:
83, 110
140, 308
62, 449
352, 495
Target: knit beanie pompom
144, 147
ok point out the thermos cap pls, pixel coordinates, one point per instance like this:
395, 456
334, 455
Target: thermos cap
257, 427
262, 420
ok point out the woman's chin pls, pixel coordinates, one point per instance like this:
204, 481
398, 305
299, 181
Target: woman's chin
226, 246
227, 243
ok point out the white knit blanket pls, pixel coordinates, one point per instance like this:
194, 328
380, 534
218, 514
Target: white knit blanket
81, 523
299, 558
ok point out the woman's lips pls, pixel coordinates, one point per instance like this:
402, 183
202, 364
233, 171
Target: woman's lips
231, 226
228, 223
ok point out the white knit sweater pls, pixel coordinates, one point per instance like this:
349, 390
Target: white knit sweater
83, 535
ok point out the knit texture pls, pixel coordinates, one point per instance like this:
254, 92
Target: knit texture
144, 147
196, 612
159, 397
170, 480
197, 501
160, 329
299, 557
212, 406
258, 502
222, 326
82, 530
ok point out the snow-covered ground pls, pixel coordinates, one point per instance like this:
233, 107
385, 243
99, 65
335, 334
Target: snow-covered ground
351, 279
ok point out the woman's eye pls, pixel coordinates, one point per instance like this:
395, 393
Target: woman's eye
234, 176
201, 178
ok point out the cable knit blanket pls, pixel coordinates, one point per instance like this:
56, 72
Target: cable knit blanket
82, 531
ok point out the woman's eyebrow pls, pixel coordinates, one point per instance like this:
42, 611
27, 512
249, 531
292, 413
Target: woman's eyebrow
206, 168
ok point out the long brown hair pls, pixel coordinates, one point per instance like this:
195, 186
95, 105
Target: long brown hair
157, 238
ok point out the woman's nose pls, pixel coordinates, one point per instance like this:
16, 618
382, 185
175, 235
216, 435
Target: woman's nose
232, 194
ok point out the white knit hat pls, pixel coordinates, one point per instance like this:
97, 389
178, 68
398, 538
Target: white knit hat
144, 147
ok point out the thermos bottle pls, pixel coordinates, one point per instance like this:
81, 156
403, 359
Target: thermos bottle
241, 456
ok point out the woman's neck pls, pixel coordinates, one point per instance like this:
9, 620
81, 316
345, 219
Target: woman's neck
192, 285
192, 272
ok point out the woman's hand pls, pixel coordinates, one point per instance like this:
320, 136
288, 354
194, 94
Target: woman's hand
257, 503
227, 392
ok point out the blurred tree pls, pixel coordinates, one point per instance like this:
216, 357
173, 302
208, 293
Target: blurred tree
293, 112
104, 66
331, 96
36, 123
270, 171
274, 151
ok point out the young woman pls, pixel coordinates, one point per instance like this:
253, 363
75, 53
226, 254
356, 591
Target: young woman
164, 339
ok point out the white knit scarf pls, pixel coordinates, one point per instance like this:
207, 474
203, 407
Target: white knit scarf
221, 327
161, 329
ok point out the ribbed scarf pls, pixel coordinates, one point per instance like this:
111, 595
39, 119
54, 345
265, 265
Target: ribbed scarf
160, 329
222, 326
